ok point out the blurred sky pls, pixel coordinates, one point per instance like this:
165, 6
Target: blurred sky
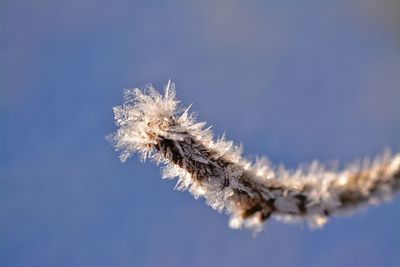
294, 80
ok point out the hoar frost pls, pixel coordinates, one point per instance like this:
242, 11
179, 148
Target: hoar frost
156, 126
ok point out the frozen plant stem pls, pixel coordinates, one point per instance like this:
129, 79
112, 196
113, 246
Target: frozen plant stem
155, 126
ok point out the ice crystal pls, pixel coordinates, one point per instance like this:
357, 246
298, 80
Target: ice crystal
156, 126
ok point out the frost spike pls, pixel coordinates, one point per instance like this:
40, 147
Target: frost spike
154, 126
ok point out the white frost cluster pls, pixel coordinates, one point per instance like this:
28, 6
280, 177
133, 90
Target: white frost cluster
155, 126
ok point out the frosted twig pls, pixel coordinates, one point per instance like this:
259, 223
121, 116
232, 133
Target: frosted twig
155, 126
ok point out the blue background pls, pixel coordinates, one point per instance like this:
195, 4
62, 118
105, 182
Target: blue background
294, 80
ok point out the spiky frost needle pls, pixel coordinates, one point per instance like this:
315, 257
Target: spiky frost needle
155, 126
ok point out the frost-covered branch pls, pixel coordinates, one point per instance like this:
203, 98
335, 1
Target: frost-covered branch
155, 126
